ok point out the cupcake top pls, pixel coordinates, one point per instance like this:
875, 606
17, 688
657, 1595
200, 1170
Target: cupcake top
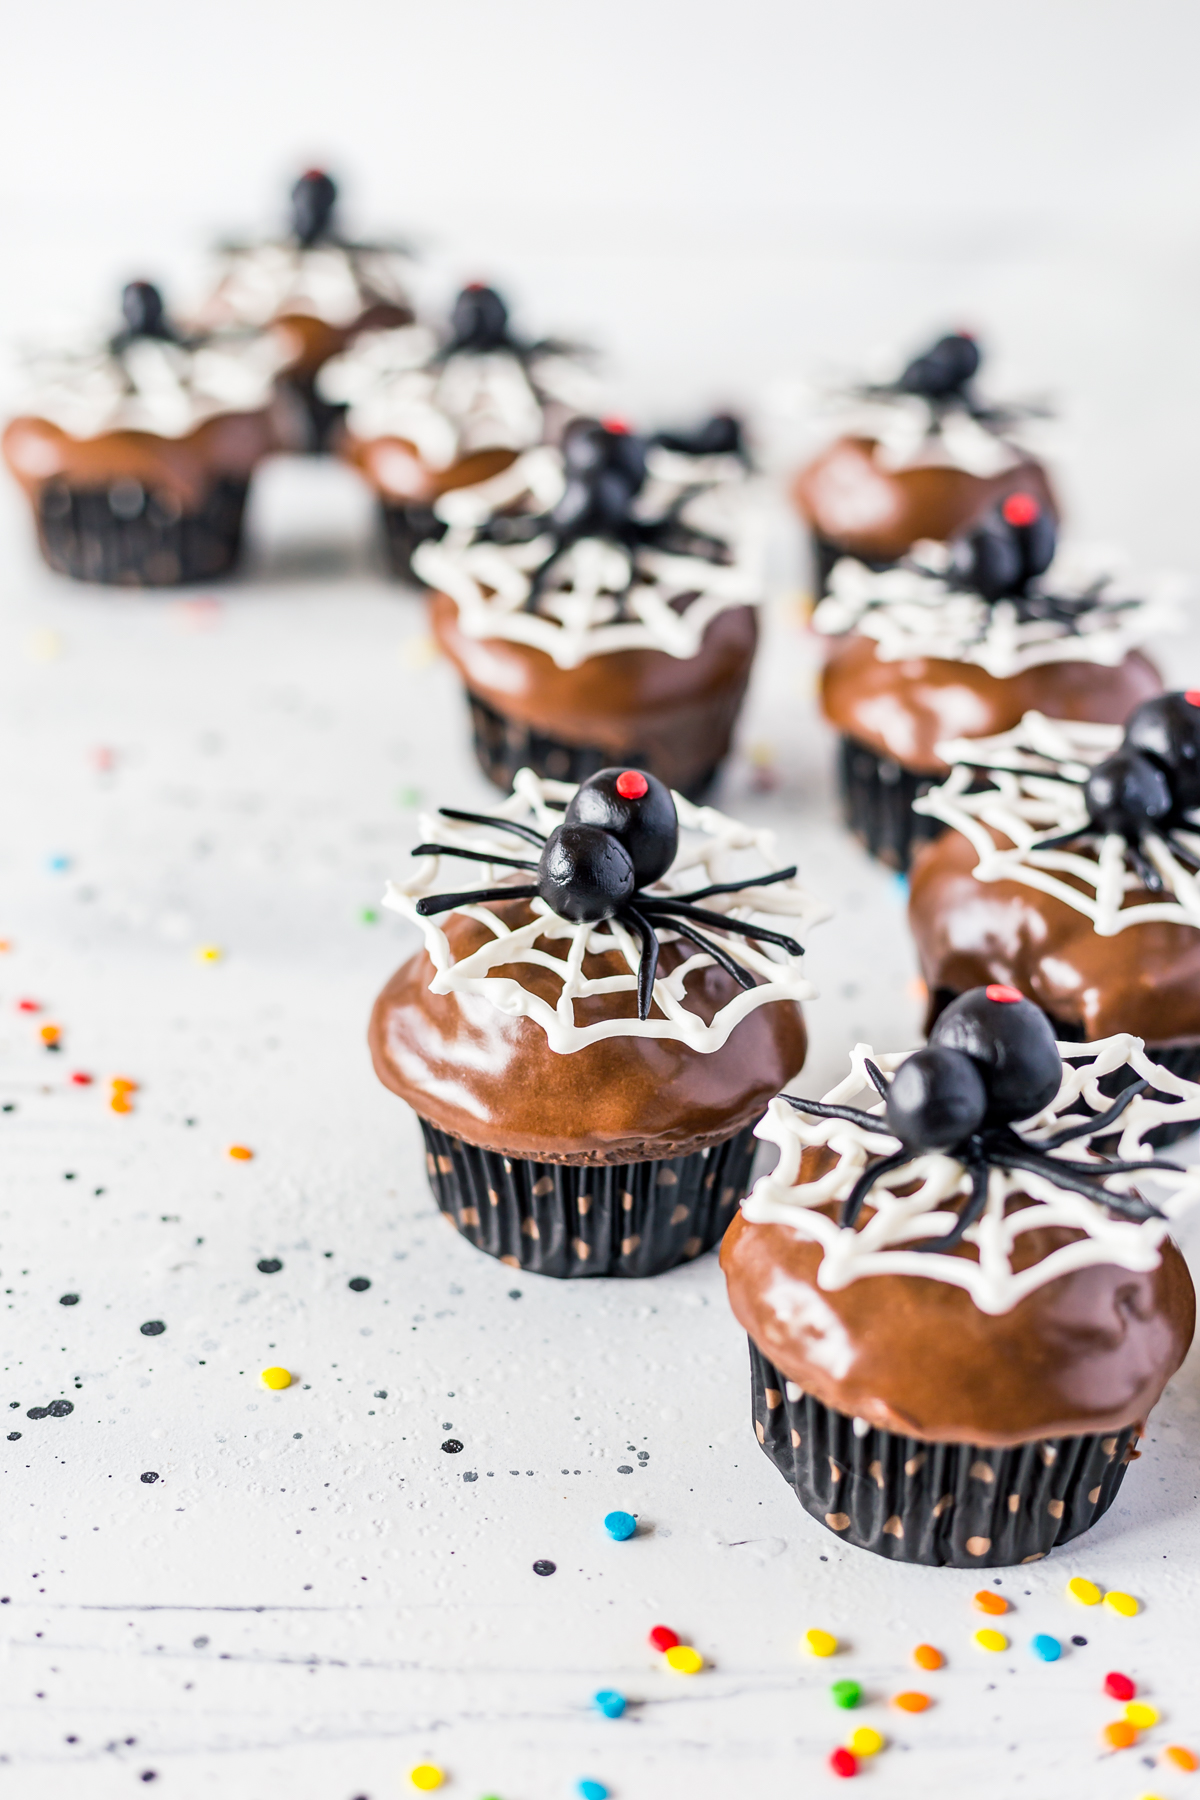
610, 543
148, 376
1004, 597
1101, 818
484, 388
312, 271
974, 1162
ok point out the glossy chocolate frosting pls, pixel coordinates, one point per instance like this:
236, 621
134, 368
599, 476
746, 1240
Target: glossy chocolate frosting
494, 1081
903, 709
394, 467
312, 341
1088, 1352
855, 503
672, 715
1145, 979
38, 451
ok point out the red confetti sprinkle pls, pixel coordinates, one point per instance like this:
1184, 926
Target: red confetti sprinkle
29, 1006
619, 427
81, 1078
995, 990
1020, 509
663, 1638
1119, 1687
844, 1762
632, 784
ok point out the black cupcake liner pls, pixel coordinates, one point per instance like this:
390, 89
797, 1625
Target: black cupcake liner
128, 536
960, 1506
405, 528
570, 1221
877, 800
307, 424
826, 554
502, 746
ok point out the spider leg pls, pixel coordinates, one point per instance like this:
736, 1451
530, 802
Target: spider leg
972, 1210
1182, 854
1064, 837
1062, 1175
742, 976
719, 922
1039, 774
826, 1109
440, 903
1096, 1124
852, 1204
1147, 874
648, 966
523, 831
732, 887
878, 1079
483, 856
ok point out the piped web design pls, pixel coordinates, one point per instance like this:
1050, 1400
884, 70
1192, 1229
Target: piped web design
633, 905
1084, 816
612, 543
903, 1207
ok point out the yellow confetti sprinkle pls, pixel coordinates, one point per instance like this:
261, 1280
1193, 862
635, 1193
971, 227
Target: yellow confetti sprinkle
209, 953
1141, 1714
991, 1640
418, 652
1086, 1592
276, 1378
426, 1776
684, 1660
44, 646
241, 1153
866, 1741
1123, 1604
821, 1643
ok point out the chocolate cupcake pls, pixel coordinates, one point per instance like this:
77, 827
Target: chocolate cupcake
320, 290
960, 1315
1070, 872
425, 417
962, 639
589, 1039
136, 451
599, 603
919, 457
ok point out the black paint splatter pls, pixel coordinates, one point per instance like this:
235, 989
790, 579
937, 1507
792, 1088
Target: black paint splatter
452, 1446
68, 1300
1079, 1643
359, 1284
13, 1436
57, 1409
150, 1476
269, 1265
152, 1328
542, 1567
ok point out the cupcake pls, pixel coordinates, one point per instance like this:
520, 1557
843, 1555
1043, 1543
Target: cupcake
919, 457
599, 605
960, 1314
588, 1039
1070, 872
962, 639
136, 451
320, 290
425, 417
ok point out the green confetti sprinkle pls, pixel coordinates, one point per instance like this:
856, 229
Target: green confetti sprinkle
846, 1693
409, 797
369, 915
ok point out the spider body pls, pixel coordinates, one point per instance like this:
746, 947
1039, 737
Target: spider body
144, 313
944, 371
991, 1061
719, 436
313, 199
619, 835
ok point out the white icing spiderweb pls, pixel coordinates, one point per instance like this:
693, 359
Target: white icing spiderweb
877, 1244
712, 847
1033, 791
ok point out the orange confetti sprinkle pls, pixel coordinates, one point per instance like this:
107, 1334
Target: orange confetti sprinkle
241, 1153
911, 1702
50, 1034
1182, 1758
5, 946
988, 1602
926, 1657
121, 1084
121, 1103
1120, 1735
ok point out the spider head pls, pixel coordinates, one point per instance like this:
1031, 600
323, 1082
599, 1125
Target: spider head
637, 810
944, 369
479, 320
936, 1099
719, 436
584, 872
143, 311
1167, 730
1004, 552
605, 468
1128, 793
1010, 1042
313, 199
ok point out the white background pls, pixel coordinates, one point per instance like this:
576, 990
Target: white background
735, 202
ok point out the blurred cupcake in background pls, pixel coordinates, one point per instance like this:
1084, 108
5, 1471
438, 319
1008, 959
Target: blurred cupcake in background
320, 289
923, 456
600, 604
136, 450
426, 416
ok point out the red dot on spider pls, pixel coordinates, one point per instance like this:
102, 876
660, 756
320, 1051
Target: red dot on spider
1020, 509
631, 784
996, 990
618, 427
1193, 696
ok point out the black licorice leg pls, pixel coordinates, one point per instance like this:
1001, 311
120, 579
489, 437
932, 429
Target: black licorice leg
852, 1205
483, 856
523, 831
1145, 871
825, 1109
1060, 1175
719, 922
877, 1077
1094, 1125
648, 965
440, 903
972, 1210
730, 887
1182, 854
742, 976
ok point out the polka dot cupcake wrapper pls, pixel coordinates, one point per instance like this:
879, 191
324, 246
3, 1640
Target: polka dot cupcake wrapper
134, 537
561, 1219
957, 1505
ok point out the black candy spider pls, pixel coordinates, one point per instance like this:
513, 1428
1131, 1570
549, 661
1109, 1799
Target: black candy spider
991, 1060
619, 834
942, 376
145, 316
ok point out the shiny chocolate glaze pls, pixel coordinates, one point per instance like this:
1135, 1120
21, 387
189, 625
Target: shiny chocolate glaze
867, 510
494, 1081
312, 341
229, 445
1145, 980
672, 715
1088, 1352
902, 709
394, 468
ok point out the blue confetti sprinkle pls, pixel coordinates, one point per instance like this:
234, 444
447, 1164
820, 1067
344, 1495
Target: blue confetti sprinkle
1047, 1647
58, 863
592, 1790
620, 1525
610, 1703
